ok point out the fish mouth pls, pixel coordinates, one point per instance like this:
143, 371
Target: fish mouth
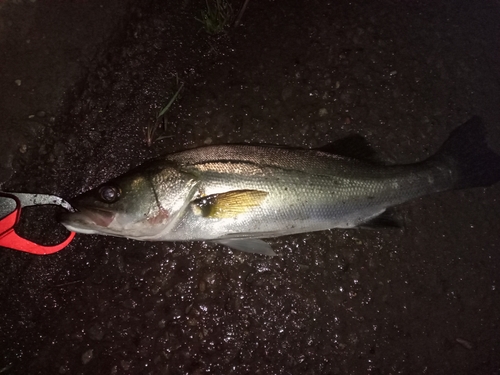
87, 220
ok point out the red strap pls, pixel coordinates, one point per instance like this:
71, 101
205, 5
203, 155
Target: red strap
9, 221
9, 238
12, 240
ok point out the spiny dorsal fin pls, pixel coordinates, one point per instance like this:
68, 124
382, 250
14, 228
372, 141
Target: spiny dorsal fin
229, 204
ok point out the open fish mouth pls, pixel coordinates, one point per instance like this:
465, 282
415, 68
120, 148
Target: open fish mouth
83, 219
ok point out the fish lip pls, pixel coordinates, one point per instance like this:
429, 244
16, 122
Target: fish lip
86, 216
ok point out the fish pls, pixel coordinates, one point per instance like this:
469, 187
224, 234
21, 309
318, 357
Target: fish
238, 195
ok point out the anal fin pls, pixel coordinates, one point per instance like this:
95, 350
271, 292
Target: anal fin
386, 219
254, 246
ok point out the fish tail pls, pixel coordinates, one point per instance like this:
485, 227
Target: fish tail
466, 152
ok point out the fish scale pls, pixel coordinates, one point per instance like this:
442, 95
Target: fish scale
238, 194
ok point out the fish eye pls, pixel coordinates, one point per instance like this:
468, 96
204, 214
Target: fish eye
109, 193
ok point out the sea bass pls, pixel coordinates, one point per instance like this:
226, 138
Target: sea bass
236, 195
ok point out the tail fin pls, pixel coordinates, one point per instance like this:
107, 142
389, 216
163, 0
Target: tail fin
473, 163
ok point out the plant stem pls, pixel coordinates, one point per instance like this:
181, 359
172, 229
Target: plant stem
237, 22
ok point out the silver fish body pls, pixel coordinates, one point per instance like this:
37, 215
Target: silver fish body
306, 190
238, 194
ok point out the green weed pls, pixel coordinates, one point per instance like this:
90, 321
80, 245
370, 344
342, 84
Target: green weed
216, 17
155, 130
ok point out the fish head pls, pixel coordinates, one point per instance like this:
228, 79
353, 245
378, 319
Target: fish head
140, 204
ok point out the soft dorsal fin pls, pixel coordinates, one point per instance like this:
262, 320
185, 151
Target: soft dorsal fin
353, 146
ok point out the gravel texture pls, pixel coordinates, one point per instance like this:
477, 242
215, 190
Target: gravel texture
403, 74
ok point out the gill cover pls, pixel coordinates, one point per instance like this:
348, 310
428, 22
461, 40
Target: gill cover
139, 204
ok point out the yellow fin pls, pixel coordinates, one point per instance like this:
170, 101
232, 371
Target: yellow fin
230, 204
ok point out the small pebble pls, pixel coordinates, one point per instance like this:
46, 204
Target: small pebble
87, 356
322, 112
466, 344
202, 286
96, 332
18, 82
357, 241
129, 304
125, 364
23, 149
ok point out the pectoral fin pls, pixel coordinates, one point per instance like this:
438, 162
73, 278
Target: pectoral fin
254, 246
230, 204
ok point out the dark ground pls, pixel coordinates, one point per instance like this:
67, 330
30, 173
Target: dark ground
423, 300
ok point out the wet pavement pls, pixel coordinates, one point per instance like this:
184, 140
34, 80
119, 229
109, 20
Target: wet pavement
421, 300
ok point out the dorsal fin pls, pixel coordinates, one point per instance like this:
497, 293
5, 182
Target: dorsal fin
352, 146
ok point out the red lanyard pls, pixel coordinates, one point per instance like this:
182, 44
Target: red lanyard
10, 212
